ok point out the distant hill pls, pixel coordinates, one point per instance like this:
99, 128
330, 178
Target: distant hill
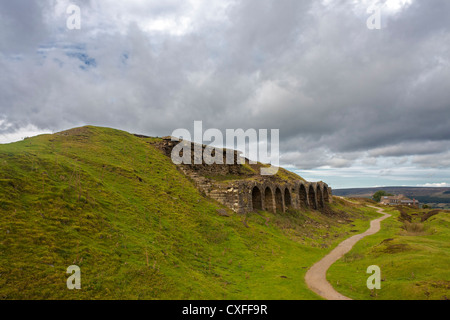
433, 196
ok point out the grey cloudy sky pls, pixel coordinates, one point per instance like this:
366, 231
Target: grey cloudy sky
355, 107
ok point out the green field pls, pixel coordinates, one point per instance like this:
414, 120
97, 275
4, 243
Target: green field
413, 255
114, 205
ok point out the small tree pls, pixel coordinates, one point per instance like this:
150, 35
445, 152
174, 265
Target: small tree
381, 193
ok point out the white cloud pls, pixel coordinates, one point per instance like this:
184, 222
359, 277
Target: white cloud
397, 5
25, 132
436, 185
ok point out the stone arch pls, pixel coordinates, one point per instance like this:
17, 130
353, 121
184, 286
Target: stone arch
268, 200
319, 196
302, 196
287, 198
326, 194
312, 197
278, 200
257, 203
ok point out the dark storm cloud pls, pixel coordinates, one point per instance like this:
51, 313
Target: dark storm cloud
22, 26
312, 69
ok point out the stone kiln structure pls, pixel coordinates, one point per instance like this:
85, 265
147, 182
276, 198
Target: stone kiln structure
256, 193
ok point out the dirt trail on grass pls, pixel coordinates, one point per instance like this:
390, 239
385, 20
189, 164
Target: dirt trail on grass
316, 277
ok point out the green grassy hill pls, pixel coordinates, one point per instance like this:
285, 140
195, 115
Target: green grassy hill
412, 250
114, 205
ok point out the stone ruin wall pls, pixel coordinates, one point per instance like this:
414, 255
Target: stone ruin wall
244, 196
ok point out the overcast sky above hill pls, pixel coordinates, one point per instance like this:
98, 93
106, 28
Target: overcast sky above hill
355, 107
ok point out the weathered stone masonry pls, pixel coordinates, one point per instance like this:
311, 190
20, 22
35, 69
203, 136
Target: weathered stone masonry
280, 197
263, 193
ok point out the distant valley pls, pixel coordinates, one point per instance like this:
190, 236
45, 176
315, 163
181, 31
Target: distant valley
434, 197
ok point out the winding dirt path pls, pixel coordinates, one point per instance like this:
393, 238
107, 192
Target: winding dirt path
316, 277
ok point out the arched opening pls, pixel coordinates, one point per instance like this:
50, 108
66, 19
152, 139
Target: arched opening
287, 199
326, 195
303, 196
256, 199
279, 200
312, 197
319, 197
268, 200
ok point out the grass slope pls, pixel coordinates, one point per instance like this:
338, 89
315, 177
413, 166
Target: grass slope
413, 256
114, 205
